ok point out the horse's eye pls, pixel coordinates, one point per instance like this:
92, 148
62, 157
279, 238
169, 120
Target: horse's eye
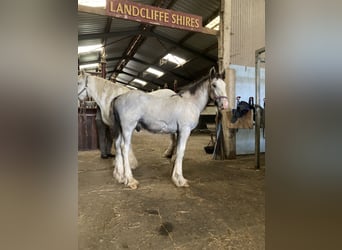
214, 85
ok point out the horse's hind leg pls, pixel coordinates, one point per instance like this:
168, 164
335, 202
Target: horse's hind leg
118, 172
125, 147
171, 148
132, 159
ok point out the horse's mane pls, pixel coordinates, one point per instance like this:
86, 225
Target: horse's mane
194, 86
105, 83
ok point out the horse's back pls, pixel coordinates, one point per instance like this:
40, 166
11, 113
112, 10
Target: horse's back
163, 92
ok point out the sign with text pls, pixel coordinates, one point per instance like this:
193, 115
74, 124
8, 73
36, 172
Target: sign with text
153, 15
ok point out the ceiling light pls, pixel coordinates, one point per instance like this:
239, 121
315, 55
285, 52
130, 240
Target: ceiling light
90, 48
156, 72
89, 66
93, 3
175, 59
214, 24
140, 82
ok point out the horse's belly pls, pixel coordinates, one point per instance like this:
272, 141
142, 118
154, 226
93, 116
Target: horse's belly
159, 126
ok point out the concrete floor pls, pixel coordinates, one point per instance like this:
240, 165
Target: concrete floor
224, 207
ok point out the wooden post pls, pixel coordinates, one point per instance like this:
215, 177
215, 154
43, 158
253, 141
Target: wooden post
103, 64
224, 44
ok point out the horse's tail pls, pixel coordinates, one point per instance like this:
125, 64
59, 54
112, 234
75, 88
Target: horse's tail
115, 118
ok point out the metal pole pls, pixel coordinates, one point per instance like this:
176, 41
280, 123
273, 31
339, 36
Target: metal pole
257, 114
257, 107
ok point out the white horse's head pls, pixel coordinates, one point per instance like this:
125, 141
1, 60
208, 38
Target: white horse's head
82, 85
217, 90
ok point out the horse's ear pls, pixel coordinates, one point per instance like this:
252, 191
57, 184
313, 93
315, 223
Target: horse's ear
223, 74
212, 73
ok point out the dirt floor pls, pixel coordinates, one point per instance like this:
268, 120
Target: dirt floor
224, 207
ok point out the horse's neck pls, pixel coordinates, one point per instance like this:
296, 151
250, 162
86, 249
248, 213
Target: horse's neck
102, 96
201, 96
95, 90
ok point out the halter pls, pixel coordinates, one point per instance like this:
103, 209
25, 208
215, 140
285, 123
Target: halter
220, 97
84, 89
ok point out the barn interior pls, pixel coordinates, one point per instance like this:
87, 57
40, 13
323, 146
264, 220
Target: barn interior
224, 206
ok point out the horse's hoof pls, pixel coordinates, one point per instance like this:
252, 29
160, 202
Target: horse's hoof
185, 185
133, 184
181, 183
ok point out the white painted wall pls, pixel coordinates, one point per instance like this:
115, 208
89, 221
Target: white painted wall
245, 87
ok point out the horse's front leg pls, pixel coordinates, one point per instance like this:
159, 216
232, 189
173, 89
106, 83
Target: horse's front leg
172, 146
177, 173
125, 147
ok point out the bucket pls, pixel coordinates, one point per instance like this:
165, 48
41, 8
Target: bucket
209, 149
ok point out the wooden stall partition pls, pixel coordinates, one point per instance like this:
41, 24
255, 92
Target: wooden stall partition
87, 133
245, 121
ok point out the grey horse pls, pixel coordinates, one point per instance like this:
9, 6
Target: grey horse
175, 114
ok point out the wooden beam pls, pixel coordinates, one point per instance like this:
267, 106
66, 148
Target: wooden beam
224, 45
102, 12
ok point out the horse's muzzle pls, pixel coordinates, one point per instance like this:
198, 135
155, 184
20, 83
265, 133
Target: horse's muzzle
222, 102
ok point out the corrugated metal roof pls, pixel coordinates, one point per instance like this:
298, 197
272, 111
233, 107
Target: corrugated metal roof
172, 34
197, 7
159, 50
123, 25
90, 23
116, 46
89, 42
200, 41
131, 47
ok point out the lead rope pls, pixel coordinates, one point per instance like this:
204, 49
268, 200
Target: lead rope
219, 123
